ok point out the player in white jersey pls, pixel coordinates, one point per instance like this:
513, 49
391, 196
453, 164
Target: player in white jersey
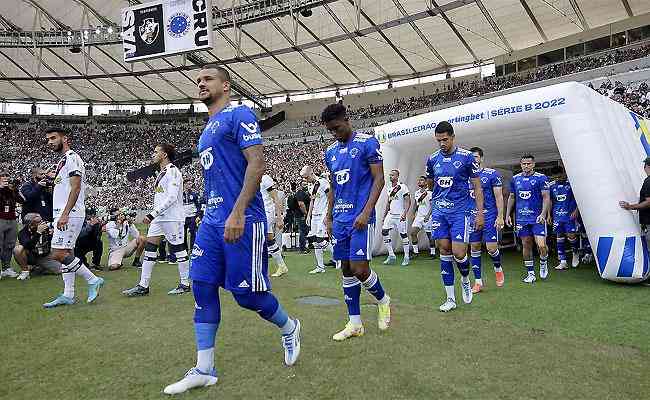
69, 212
274, 217
399, 202
318, 191
166, 219
422, 216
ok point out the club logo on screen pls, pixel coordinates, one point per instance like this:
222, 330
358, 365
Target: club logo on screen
149, 30
178, 25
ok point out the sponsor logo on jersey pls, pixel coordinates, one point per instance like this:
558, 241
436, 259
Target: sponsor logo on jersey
560, 197
445, 181
214, 201
444, 204
252, 136
343, 150
251, 128
525, 194
341, 206
206, 158
342, 176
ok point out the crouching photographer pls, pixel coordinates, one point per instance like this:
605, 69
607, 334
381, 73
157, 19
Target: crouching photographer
33, 248
123, 240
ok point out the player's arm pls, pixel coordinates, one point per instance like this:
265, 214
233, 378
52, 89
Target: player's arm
254, 170
171, 195
75, 189
511, 204
330, 206
498, 197
407, 206
546, 206
377, 171
276, 202
478, 199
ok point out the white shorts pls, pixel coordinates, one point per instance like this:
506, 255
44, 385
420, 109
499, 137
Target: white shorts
67, 238
173, 231
270, 222
317, 226
115, 256
392, 221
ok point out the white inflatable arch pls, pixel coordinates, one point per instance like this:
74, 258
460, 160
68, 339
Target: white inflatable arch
601, 143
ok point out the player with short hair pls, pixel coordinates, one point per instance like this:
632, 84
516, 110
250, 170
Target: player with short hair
356, 170
230, 249
167, 219
529, 190
318, 192
448, 172
422, 216
564, 214
399, 202
69, 213
274, 218
493, 209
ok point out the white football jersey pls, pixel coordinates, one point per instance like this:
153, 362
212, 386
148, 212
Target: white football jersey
267, 185
168, 197
396, 197
120, 236
69, 165
423, 201
318, 192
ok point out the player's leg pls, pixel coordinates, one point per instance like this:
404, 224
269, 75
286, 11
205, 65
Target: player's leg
361, 243
441, 234
247, 279
115, 257
572, 238
320, 244
475, 252
351, 285
415, 231
560, 242
432, 241
402, 227
388, 243
151, 247
140, 243
276, 253
539, 230
493, 251
20, 255
460, 229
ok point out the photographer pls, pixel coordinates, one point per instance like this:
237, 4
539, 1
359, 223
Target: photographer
119, 245
9, 196
38, 194
33, 248
192, 206
90, 239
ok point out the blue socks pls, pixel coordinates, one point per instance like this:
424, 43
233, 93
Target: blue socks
463, 265
373, 286
352, 295
496, 260
476, 264
207, 315
447, 270
561, 255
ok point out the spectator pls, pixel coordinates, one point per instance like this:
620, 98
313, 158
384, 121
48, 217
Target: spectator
38, 194
9, 196
298, 207
31, 253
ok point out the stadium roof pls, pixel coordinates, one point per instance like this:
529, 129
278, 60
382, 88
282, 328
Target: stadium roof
344, 42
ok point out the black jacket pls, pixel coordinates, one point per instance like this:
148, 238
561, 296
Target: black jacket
37, 200
34, 242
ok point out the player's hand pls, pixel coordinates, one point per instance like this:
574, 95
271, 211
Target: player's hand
479, 221
361, 222
624, 205
540, 219
498, 223
234, 228
328, 226
42, 227
62, 223
403, 217
509, 220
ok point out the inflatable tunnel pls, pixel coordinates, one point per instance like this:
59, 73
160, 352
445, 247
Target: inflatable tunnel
601, 143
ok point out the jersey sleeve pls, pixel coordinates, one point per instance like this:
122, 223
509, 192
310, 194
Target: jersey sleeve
405, 190
474, 167
246, 128
546, 185
175, 180
373, 151
73, 163
429, 167
512, 185
496, 180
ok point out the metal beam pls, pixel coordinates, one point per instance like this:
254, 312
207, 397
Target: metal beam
49, 16
383, 35
493, 24
74, 89
628, 9
79, 72
10, 26
420, 34
524, 4
581, 17
29, 75
102, 19
120, 84
453, 28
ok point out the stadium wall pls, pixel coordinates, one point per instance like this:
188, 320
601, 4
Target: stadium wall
601, 143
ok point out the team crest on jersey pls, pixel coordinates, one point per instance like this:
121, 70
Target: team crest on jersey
457, 164
484, 179
212, 126
354, 152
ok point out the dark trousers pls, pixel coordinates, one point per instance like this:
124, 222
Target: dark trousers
303, 229
190, 228
97, 249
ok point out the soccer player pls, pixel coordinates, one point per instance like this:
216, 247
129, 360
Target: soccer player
422, 216
493, 209
318, 192
230, 249
564, 215
530, 189
69, 214
448, 172
274, 218
167, 219
357, 178
399, 202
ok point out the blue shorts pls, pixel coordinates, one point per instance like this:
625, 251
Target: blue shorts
240, 267
530, 229
564, 227
352, 244
454, 226
488, 234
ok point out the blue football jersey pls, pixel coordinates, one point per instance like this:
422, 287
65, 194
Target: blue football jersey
450, 174
349, 166
528, 196
224, 137
563, 201
490, 179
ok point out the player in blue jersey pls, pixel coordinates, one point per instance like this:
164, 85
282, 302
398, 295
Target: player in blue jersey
564, 216
529, 191
357, 178
493, 210
230, 249
448, 171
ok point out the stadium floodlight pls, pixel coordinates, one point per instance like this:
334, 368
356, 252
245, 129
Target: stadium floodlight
110, 30
97, 31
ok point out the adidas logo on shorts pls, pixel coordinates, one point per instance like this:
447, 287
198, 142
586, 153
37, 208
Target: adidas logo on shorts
243, 284
360, 253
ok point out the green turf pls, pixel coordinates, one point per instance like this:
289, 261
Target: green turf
571, 337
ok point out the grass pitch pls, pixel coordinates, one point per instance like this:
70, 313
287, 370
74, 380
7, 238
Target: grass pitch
573, 336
